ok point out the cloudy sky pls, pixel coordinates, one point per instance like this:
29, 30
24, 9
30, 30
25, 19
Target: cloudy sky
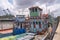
17, 6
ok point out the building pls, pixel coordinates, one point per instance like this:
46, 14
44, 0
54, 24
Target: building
6, 22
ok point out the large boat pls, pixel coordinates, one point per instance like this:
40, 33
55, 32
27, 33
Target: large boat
41, 25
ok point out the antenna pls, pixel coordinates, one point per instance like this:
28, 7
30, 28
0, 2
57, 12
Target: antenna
8, 11
46, 7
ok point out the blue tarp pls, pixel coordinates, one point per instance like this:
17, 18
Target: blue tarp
18, 31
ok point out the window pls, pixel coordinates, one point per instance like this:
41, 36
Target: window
36, 22
21, 25
32, 10
39, 24
33, 22
35, 9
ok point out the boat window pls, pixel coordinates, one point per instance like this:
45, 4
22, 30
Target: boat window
21, 25
40, 24
36, 22
33, 22
35, 9
32, 9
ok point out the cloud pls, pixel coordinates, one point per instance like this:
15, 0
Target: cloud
56, 12
10, 1
4, 4
1, 12
17, 4
53, 7
23, 3
27, 3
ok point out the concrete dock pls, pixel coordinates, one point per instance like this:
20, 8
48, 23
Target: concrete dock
57, 34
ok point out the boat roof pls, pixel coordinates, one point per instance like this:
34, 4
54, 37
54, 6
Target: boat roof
36, 7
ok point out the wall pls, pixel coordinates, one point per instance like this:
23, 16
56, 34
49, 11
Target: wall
6, 25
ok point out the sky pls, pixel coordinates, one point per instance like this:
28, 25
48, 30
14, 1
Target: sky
10, 1
17, 6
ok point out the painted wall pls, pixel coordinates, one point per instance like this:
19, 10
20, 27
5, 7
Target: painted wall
6, 25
